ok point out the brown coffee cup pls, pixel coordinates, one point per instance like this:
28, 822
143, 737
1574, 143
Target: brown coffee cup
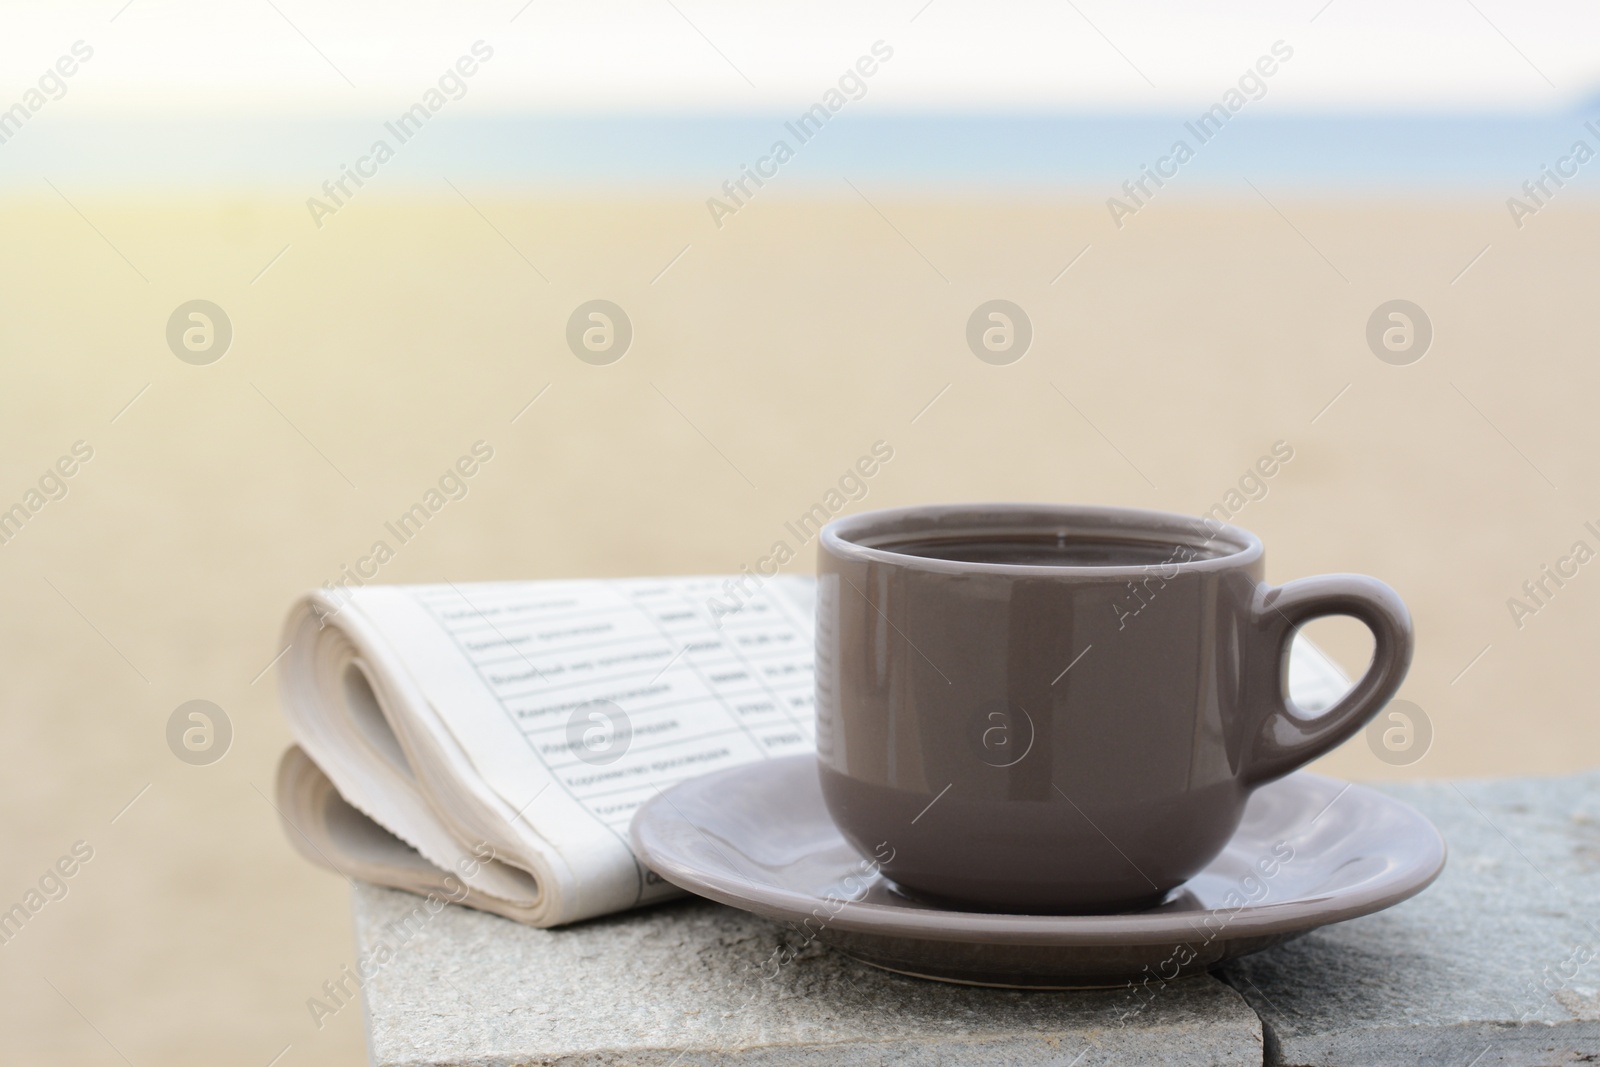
1062, 709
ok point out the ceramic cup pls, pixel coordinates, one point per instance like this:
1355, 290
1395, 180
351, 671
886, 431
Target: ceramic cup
1062, 709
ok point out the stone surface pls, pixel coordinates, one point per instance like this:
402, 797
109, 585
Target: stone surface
1497, 963
697, 983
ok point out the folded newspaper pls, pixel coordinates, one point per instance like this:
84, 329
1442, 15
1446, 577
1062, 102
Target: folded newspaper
488, 743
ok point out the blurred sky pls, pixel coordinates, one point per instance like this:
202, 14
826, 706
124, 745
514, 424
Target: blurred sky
723, 56
1075, 92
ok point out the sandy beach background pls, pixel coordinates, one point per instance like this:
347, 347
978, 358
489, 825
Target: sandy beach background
769, 354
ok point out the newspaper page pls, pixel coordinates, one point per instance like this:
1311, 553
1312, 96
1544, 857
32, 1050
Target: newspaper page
564, 705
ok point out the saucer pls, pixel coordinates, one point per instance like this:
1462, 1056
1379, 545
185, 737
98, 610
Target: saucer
1310, 851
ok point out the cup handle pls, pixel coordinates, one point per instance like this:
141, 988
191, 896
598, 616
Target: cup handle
1288, 739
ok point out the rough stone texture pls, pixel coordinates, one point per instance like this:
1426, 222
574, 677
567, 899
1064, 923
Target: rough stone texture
696, 983
1497, 963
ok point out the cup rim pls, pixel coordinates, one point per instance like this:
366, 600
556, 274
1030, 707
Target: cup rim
841, 537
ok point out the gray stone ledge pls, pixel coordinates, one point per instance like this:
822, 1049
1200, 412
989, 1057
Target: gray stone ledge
1498, 963
686, 984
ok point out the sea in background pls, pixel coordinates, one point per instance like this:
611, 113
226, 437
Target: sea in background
1357, 154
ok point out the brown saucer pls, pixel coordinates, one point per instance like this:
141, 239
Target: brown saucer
1310, 851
